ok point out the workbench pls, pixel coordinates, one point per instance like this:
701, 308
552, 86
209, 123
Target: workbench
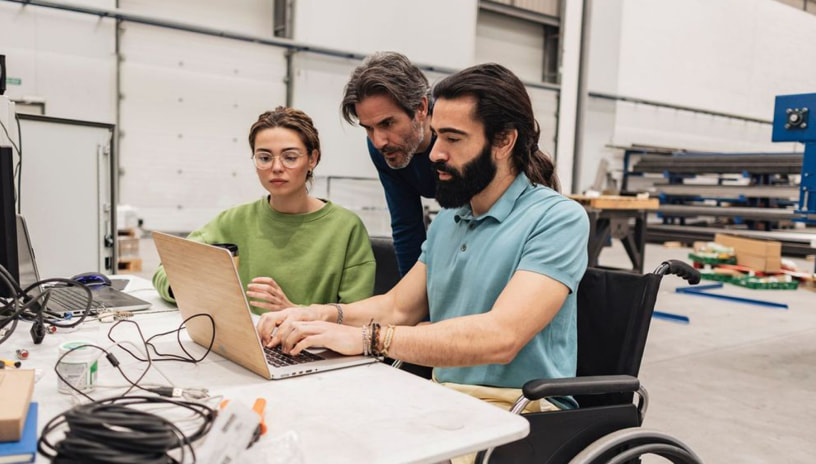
619, 217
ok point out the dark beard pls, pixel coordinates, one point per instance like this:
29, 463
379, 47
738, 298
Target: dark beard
458, 191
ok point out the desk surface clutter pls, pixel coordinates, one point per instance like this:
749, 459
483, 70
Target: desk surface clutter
371, 413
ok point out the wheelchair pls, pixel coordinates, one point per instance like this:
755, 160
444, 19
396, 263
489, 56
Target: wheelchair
614, 312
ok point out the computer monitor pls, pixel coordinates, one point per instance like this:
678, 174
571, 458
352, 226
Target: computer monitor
8, 219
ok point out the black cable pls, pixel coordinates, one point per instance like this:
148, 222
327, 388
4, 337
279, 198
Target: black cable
169, 356
34, 300
114, 362
114, 431
9, 137
19, 167
163, 391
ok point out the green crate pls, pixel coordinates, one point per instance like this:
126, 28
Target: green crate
753, 283
709, 260
756, 284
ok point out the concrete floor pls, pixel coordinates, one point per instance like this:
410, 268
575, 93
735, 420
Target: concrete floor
737, 384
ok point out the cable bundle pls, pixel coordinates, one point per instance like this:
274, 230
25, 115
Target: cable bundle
29, 304
114, 431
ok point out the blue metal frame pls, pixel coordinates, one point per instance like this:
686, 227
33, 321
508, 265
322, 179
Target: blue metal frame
700, 290
794, 121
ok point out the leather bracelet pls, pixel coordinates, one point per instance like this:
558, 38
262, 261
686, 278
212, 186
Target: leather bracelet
339, 312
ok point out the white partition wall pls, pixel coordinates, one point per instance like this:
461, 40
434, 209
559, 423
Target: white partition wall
188, 101
66, 194
66, 59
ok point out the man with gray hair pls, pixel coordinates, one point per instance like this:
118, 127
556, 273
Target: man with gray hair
390, 98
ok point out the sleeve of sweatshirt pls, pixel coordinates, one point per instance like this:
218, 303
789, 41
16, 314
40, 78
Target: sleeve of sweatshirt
160, 282
357, 282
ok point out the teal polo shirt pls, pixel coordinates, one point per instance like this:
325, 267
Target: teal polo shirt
471, 259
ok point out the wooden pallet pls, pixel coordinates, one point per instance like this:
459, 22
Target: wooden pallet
616, 202
126, 265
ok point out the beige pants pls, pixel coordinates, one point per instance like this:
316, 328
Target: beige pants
503, 398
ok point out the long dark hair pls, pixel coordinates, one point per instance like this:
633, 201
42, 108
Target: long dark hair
503, 104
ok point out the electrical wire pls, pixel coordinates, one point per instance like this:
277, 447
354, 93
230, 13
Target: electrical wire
19, 167
169, 390
117, 431
33, 308
34, 305
169, 356
5, 130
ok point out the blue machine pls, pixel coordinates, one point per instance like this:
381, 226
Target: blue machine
795, 121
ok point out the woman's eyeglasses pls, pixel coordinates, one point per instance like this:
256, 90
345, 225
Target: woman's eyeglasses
267, 160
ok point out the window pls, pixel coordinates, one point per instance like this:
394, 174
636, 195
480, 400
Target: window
806, 5
283, 16
523, 35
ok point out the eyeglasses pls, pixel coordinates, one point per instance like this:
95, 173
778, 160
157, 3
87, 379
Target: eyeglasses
266, 160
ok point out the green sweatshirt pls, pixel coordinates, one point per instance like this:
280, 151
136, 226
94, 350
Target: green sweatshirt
319, 257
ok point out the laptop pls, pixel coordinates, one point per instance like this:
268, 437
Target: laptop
66, 302
205, 280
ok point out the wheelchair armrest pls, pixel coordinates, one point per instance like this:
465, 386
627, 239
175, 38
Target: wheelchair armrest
590, 385
679, 268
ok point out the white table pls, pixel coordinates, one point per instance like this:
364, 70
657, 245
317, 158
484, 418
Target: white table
371, 414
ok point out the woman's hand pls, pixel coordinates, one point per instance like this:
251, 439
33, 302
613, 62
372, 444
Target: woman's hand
266, 294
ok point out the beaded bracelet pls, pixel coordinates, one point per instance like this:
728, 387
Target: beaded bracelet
366, 343
375, 338
339, 312
389, 335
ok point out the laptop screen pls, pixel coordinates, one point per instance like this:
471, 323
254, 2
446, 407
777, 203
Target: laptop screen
25, 255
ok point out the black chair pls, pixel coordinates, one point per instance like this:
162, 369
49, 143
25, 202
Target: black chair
387, 275
614, 312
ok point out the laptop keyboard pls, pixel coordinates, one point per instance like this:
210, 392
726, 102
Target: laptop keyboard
73, 298
278, 358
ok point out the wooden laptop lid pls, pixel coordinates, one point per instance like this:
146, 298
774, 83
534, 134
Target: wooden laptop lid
204, 280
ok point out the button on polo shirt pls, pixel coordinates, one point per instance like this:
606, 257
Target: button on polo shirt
470, 259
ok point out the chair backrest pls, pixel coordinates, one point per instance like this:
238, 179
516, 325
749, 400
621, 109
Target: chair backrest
614, 312
387, 274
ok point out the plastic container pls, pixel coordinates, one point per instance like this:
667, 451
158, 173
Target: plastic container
78, 367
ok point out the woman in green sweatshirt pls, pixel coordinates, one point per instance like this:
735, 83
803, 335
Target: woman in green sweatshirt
294, 249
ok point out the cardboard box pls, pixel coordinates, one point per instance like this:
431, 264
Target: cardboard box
128, 246
16, 387
760, 255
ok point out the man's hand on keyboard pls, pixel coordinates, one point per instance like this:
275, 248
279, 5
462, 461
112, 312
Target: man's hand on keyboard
270, 322
296, 336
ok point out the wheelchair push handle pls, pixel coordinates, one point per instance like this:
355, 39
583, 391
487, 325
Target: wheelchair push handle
679, 268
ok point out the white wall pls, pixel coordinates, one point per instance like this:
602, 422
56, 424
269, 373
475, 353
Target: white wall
731, 56
190, 99
67, 57
188, 103
438, 33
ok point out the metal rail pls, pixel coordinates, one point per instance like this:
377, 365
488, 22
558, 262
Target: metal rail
691, 109
725, 192
770, 214
793, 243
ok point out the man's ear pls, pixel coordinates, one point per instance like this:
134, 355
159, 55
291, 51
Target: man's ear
422, 109
505, 141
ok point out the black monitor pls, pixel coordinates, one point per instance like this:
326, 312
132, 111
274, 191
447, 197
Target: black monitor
8, 219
